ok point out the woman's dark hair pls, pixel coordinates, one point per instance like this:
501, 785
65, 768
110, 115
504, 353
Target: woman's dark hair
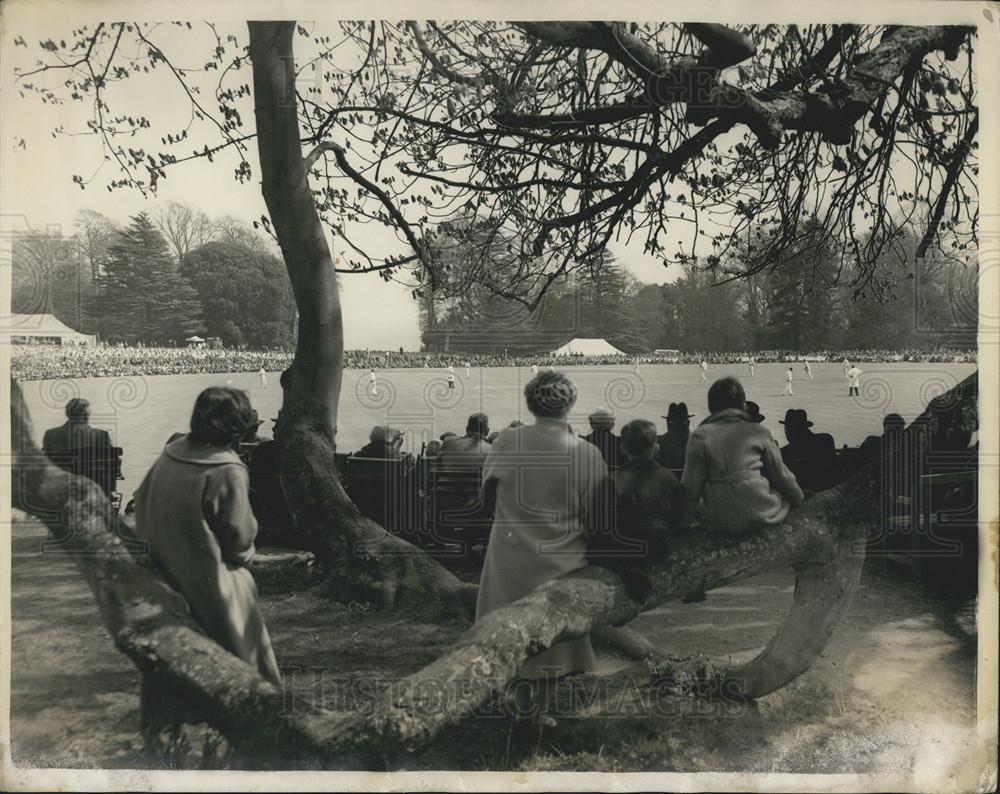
726, 393
222, 416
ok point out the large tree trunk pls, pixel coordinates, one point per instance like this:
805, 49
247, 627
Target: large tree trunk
365, 561
822, 541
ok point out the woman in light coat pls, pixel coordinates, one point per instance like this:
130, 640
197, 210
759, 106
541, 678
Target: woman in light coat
546, 485
734, 478
193, 509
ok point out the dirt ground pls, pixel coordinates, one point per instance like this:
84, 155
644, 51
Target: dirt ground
893, 692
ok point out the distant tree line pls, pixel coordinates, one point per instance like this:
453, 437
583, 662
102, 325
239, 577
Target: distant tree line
807, 301
162, 277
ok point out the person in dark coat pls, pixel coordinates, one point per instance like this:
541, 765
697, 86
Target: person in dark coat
602, 436
649, 500
812, 457
75, 439
672, 445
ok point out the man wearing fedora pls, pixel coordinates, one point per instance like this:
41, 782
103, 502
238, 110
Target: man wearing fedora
602, 436
812, 457
673, 444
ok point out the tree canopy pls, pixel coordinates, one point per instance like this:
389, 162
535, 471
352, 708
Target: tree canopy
572, 136
244, 294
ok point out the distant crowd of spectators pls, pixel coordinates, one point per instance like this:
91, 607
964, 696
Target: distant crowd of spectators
40, 362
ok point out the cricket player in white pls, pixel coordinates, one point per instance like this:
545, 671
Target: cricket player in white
468, 373
753, 367
847, 366
373, 384
263, 378
854, 382
704, 371
809, 372
451, 378
534, 369
789, 376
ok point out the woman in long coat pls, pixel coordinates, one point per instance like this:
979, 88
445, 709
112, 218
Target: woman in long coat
193, 509
545, 484
734, 478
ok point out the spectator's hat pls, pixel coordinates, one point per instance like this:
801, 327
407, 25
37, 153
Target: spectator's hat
796, 417
677, 412
754, 411
446, 435
602, 417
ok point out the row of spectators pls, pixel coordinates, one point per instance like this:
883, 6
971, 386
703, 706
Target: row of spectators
40, 362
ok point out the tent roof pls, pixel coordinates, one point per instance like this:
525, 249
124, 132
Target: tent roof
589, 347
36, 325
194, 339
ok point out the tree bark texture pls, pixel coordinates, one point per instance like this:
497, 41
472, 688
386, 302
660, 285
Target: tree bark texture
365, 561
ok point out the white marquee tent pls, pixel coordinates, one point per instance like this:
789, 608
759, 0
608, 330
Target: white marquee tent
42, 328
588, 347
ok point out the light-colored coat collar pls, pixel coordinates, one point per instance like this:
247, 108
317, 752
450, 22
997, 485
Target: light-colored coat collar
183, 450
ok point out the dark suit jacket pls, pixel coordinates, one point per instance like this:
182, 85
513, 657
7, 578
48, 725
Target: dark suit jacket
84, 450
813, 462
608, 443
70, 437
672, 449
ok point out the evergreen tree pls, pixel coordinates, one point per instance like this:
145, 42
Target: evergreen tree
245, 295
142, 295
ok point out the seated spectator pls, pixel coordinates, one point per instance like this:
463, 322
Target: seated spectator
446, 435
649, 499
672, 445
541, 523
812, 457
376, 477
734, 478
81, 449
383, 442
872, 447
601, 435
433, 449
469, 451
193, 509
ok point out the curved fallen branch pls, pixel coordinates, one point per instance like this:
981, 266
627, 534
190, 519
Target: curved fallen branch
823, 541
